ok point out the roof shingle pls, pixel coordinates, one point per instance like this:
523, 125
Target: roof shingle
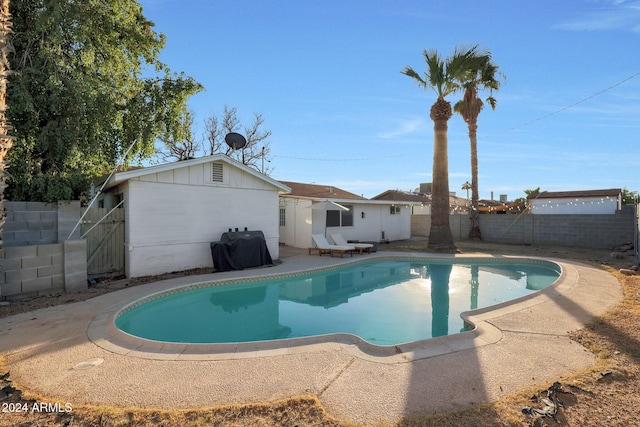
319, 191
611, 192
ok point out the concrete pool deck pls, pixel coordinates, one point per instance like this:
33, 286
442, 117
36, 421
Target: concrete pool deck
72, 353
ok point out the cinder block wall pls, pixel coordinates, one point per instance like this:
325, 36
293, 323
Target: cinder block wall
587, 231
591, 231
508, 228
43, 269
34, 223
30, 223
420, 225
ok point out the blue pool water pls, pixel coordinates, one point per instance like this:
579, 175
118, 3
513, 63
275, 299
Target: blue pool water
384, 302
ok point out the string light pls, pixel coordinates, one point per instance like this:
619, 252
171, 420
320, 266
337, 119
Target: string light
557, 204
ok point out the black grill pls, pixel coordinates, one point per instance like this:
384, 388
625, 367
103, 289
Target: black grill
237, 250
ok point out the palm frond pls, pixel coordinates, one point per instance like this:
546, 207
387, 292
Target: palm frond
436, 72
408, 71
492, 101
466, 68
458, 107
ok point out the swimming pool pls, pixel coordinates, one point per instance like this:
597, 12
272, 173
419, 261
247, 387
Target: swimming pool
384, 302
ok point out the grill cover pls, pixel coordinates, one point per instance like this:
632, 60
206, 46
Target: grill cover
238, 250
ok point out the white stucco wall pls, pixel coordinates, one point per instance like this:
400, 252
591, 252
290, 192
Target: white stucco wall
298, 219
173, 216
575, 206
302, 221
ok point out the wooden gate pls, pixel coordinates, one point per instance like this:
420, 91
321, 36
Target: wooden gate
105, 242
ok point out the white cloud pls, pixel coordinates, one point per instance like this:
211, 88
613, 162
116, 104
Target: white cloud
405, 127
616, 15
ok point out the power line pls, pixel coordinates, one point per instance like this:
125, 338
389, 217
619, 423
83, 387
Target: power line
508, 129
343, 160
575, 103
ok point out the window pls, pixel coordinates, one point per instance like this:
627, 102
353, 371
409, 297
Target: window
394, 210
347, 217
333, 218
340, 218
118, 198
217, 172
283, 217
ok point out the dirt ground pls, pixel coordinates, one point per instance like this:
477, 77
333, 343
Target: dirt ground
608, 394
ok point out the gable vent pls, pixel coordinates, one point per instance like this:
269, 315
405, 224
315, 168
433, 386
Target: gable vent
216, 172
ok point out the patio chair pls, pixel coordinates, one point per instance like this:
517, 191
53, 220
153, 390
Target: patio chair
322, 245
360, 247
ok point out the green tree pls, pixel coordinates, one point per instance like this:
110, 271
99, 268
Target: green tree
533, 192
443, 75
469, 107
6, 141
187, 148
88, 85
630, 197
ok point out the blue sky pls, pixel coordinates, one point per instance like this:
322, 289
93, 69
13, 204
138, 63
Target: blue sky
326, 77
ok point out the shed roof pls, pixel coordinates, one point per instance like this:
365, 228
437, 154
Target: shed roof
611, 192
120, 177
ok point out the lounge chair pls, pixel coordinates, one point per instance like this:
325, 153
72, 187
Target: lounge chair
322, 245
360, 247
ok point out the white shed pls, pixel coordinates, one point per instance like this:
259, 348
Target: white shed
173, 211
366, 220
586, 202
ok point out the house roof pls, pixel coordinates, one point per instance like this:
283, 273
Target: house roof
500, 207
403, 196
410, 196
458, 201
120, 177
319, 191
489, 203
611, 192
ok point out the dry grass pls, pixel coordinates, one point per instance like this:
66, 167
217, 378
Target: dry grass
299, 411
607, 394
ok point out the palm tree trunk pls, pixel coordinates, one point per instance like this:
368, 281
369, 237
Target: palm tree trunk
440, 237
474, 217
6, 141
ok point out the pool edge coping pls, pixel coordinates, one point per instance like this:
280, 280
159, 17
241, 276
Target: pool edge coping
103, 332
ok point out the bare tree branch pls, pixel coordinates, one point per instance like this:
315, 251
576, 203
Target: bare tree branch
255, 153
180, 150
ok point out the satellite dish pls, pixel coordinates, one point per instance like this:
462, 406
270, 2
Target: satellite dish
235, 140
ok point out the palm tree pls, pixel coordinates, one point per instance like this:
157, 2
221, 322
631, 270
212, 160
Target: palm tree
469, 108
466, 186
5, 140
443, 76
